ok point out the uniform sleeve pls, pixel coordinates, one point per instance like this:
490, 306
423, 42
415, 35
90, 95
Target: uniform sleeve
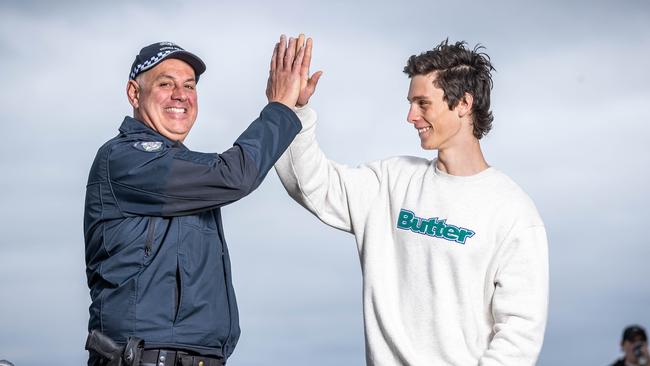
520, 301
337, 194
175, 181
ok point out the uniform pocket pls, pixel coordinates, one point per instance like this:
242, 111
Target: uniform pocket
203, 221
178, 293
154, 237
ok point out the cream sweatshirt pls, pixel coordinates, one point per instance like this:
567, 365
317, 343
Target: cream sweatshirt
455, 269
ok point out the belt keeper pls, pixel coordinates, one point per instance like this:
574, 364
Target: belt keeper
162, 358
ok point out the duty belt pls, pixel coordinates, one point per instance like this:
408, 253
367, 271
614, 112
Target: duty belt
162, 357
134, 354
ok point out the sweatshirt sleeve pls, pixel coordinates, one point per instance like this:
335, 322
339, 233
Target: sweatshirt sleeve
337, 194
520, 301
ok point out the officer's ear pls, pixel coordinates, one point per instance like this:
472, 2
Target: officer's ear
133, 93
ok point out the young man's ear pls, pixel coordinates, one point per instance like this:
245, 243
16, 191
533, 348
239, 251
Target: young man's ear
464, 106
133, 93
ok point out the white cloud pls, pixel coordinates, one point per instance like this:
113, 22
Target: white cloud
570, 104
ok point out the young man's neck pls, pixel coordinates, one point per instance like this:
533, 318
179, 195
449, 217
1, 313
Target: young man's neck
462, 160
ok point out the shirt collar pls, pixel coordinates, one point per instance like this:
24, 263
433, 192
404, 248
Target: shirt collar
131, 125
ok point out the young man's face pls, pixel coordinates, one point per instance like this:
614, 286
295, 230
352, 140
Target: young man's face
166, 98
437, 125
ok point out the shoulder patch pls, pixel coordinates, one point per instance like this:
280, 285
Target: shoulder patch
149, 146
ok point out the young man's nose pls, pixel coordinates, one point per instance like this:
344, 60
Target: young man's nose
413, 114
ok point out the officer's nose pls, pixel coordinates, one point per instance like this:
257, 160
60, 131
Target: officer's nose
180, 94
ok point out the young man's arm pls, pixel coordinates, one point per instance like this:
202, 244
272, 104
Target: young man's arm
520, 301
338, 195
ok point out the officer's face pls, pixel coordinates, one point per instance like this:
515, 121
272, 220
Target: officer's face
165, 99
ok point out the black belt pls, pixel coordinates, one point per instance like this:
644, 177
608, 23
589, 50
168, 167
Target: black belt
163, 357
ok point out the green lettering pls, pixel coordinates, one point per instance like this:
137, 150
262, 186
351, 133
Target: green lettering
450, 232
414, 224
435, 226
404, 219
422, 227
463, 235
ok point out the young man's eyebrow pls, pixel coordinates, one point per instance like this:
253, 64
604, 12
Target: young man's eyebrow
416, 98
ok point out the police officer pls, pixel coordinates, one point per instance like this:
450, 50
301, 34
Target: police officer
157, 262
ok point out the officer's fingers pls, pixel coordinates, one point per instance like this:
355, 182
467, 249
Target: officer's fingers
289, 55
274, 58
282, 47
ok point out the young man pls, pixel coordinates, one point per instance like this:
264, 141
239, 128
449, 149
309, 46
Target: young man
453, 252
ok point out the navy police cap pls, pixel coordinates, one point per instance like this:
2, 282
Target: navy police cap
155, 53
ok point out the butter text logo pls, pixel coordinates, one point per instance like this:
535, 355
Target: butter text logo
433, 227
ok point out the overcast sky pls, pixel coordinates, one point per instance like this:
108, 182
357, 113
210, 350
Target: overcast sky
570, 99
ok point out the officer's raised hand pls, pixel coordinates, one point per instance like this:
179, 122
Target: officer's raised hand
283, 85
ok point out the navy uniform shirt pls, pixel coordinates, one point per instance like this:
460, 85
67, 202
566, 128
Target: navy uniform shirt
156, 259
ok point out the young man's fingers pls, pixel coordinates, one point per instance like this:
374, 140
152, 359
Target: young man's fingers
313, 80
297, 63
300, 42
306, 61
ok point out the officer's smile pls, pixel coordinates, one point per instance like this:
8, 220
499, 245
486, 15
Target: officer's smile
175, 110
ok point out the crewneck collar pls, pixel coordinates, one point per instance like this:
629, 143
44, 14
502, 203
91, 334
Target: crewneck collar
463, 178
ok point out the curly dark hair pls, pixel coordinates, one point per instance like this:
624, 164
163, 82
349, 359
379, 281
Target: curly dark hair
459, 71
